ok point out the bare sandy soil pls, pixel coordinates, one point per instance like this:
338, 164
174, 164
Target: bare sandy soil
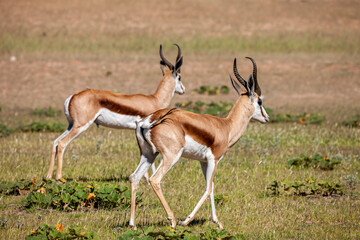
301, 81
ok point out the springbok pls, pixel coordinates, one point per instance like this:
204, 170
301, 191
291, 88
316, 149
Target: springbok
174, 133
113, 109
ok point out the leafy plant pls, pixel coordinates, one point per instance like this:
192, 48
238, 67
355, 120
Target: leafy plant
216, 109
43, 127
19, 187
5, 131
315, 161
74, 195
305, 188
304, 118
179, 233
211, 90
221, 199
57, 232
352, 122
48, 112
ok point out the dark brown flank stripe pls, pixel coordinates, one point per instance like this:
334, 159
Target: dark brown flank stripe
199, 135
121, 109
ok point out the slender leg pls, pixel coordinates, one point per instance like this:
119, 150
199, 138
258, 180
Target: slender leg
147, 177
213, 210
54, 152
168, 162
145, 163
210, 170
74, 132
153, 169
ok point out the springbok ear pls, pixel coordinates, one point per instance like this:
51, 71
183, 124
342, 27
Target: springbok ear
235, 85
178, 65
162, 67
251, 87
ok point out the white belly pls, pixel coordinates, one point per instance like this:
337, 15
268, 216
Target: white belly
195, 150
115, 120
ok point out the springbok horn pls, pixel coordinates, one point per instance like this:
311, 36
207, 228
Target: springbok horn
237, 75
257, 87
164, 59
179, 52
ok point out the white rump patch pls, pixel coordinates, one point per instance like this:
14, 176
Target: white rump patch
115, 120
66, 109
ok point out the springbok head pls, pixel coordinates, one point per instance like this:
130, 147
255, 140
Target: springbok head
252, 90
167, 66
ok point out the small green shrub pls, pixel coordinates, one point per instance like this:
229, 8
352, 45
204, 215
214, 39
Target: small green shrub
57, 232
352, 122
5, 131
48, 112
19, 187
216, 109
305, 188
304, 118
315, 161
211, 90
74, 195
221, 199
179, 233
43, 127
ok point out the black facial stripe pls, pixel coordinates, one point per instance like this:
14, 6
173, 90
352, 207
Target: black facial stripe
262, 113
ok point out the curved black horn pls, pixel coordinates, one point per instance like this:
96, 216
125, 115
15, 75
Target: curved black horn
257, 87
164, 59
237, 75
179, 52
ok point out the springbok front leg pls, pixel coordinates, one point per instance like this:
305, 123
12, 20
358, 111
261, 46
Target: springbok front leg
145, 162
212, 201
210, 171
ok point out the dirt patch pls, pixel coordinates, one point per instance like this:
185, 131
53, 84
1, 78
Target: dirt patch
298, 80
304, 82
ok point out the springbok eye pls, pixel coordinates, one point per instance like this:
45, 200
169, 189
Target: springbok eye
179, 77
259, 101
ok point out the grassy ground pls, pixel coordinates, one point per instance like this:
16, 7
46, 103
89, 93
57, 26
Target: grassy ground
308, 61
259, 158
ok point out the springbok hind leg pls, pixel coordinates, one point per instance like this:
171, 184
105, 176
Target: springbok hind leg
166, 164
210, 170
145, 162
54, 152
153, 169
74, 132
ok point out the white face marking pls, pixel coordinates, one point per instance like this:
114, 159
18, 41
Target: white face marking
179, 87
259, 114
115, 120
195, 150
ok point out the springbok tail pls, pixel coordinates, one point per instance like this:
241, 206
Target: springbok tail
161, 119
144, 126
